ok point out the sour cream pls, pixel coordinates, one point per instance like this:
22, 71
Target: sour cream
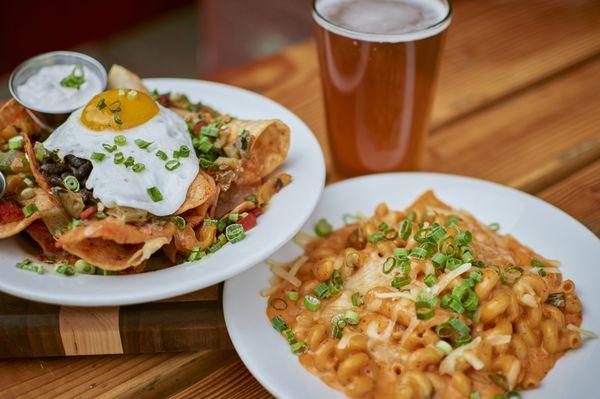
43, 91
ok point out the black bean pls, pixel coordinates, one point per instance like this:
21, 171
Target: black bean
52, 169
55, 181
86, 195
74, 161
64, 175
84, 170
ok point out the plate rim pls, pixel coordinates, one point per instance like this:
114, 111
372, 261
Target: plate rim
264, 379
144, 295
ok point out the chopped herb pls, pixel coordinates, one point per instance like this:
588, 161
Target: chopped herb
101, 104
65, 270
109, 147
138, 167
98, 156
120, 140
29, 210
142, 143
16, 143
155, 194
162, 155
75, 79
172, 165
323, 228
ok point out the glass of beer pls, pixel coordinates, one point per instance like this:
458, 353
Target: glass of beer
379, 62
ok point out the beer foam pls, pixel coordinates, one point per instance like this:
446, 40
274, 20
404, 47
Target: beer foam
383, 20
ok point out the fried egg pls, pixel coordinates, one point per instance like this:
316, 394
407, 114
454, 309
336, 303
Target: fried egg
142, 152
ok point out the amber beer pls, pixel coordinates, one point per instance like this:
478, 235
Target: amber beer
379, 62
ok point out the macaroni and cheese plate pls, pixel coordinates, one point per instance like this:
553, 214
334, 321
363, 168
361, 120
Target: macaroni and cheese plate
417, 285
153, 189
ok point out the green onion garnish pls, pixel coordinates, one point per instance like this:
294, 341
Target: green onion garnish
172, 165
444, 330
202, 144
210, 131
494, 226
98, 156
389, 265
430, 280
298, 348
463, 340
511, 275
293, 295
312, 303
83, 267
235, 233
118, 120
129, 162
424, 310
418, 253
179, 222
75, 79
463, 237
459, 326
162, 155
453, 263
323, 291
109, 147
278, 304
101, 104
352, 317
119, 158
16, 143
183, 152
439, 260
399, 282
120, 140
405, 229
29, 210
542, 273
155, 194
375, 237
63, 269
279, 324
537, 263
196, 254
323, 228
474, 395
28, 265
400, 253
209, 222
143, 144
71, 183
512, 394
357, 299
138, 167
289, 335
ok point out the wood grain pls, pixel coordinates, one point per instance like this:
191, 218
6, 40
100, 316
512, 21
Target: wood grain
88, 331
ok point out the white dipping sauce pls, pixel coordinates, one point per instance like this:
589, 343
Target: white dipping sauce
43, 91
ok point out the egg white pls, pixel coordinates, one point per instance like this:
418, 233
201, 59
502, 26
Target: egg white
114, 184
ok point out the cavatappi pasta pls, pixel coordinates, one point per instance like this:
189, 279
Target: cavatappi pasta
425, 303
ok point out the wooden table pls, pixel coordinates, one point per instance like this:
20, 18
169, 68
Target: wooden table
518, 103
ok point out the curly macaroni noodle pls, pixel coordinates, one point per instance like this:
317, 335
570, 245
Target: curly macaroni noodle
425, 303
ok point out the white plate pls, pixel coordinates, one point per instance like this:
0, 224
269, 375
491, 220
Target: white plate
546, 229
287, 213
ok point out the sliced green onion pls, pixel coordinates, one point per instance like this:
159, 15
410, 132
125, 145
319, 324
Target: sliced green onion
323, 228
463, 237
71, 183
357, 299
463, 340
183, 152
162, 155
420, 235
129, 162
452, 221
352, 259
143, 144
279, 324
449, 302
119, 158
235, 233
172, 165
418, 253
299, 348
511, 275
459, 326
494, 226
444, 347
138, 167
155, 194
439, 259
29, 210
336, 332
293, 295
512, 394
400, 253
289, 335
210, 222
474, 395
542, 273
28, 265
389, 264
424, 310
101, 104
16, 143
412, 215
399, 282
437, 234
179, 222
109, 147
278, 304
75, 79
375, 237
352, 317
202, 143
430, 280
322, 291
537, 263
120, 140
476, 276
467, 257
74, 223
405, 267
312, 303
98, 156
405, 229
210, 131
429, 247
83, 267
444, 330
196, 254
453, 263
66, 270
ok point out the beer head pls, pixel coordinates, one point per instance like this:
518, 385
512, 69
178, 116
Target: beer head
383, 20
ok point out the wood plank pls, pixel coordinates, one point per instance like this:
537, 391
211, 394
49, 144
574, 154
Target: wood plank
529, 141
493, 50
579, 196
89, 331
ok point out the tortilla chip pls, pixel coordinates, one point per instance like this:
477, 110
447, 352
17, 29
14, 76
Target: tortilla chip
268, 149
115, 245
41, 200
120, 77
34, 165
15, 120
40, 234
201, 191
234, 197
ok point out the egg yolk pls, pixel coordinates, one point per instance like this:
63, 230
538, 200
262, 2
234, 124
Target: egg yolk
118, 109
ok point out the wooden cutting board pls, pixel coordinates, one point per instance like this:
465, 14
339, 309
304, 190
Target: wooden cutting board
187, 323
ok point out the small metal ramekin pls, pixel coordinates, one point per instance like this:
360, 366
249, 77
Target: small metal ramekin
50, 119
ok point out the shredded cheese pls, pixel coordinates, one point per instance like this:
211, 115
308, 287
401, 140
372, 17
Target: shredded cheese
529, 300
473, 360
586, 334
448, 365
391, 295
302, 239
497, 339
448, 277
414, 322
297, 265
278, 270
513, 374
